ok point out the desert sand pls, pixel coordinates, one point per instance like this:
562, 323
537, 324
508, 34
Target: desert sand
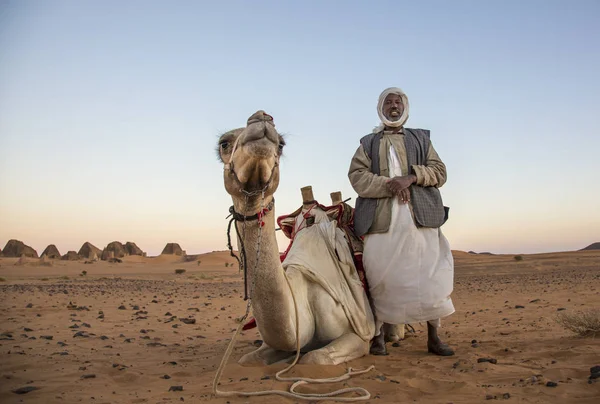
127, 332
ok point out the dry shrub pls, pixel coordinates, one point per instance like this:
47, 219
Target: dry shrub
518, 258
180, 271
585, 323
2, 280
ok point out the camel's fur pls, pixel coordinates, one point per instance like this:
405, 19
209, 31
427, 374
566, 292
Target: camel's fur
324, 331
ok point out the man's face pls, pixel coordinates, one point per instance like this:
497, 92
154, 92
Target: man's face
392, 107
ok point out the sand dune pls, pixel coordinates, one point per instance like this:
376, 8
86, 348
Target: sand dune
116, 335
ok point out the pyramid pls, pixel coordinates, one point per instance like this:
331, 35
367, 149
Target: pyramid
70, 256
172, 249
88, 250
51, 252
114, 250
15, 248
133, 249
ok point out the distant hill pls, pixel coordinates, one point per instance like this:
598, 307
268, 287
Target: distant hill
593, 246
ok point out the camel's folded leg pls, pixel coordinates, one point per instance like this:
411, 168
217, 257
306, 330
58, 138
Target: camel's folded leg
264, 355
393, 332
344, 349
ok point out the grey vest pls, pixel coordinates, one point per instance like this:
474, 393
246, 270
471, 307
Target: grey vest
428, 209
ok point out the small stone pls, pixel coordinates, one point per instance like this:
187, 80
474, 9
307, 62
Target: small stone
489, 397
265, 377
595, 369
135, 307
518, 306
506, 396
396, 344
176, 388
243, 379
534, 301
188, 320
490, 360
166, 377
48, 337
122, 307
551, 384
561, 309
30, 305
89, 376
25, 390
27, 329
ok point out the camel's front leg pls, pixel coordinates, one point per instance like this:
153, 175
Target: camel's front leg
265, 355
345, 348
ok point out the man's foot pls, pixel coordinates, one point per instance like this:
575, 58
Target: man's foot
378, 347
439, 348
435, 344
378, 344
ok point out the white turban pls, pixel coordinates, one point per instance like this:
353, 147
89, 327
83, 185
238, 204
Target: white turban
384, 120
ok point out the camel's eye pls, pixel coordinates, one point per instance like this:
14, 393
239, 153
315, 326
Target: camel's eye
223, 145
281, 145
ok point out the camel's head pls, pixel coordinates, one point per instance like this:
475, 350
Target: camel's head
251, 160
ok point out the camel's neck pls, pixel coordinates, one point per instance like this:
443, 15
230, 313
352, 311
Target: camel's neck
272, 302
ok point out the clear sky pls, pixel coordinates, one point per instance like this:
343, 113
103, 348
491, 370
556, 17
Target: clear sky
110, 112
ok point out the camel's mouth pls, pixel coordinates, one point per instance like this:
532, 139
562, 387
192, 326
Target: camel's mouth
255, 175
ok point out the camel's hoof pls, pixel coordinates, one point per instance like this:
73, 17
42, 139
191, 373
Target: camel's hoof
440, 349
252, 359
316, 358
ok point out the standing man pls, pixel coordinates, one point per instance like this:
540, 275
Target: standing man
396, 173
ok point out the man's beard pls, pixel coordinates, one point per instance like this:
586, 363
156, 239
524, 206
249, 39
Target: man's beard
393, 117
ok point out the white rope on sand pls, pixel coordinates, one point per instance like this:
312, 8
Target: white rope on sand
298, 381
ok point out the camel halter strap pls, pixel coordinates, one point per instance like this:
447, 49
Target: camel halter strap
237, 217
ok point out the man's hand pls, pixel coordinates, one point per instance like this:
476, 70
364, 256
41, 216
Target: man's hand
404, 195
397, 184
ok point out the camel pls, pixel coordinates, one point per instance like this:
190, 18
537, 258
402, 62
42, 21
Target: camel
326, 334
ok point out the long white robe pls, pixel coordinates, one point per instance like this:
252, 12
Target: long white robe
410, 270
